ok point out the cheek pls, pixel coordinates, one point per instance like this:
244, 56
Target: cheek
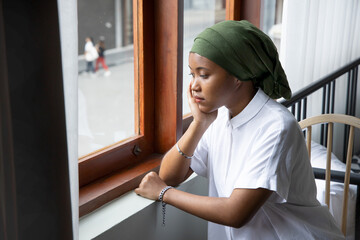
213, 102
213, 90
217, 90
218, 93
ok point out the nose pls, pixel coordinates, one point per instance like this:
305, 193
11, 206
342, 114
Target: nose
195, 86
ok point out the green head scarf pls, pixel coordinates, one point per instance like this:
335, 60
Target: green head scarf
245, 52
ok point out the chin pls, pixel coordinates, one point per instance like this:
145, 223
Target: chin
206, 109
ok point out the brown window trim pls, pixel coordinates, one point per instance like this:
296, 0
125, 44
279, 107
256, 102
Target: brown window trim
115, 170
110, 172
233, 8
105, 189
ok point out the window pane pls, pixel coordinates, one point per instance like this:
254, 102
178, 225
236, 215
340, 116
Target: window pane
106, 83
198, 15
271, 19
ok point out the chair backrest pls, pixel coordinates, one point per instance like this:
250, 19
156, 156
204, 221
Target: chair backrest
353, 123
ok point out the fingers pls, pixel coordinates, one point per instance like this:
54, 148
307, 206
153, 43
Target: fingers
189, 93
190, 88
190, 97
150, 186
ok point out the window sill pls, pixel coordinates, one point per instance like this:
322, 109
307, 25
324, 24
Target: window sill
117, 218
106, 189
103, 190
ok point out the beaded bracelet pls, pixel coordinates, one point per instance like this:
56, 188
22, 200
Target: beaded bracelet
163, 204
181, 152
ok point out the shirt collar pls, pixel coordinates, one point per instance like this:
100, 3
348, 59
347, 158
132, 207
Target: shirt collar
249, 111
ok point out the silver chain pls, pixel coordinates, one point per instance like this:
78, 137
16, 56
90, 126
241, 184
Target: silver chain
163, 213
163, 204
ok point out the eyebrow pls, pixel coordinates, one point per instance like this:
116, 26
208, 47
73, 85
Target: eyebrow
198, 68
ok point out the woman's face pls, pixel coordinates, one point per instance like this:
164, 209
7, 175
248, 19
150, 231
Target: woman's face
211, 85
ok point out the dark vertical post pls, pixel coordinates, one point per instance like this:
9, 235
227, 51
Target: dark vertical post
333, 96
348, 109
298, 116
354, 88
8, 212
348, 92
304, 108
323, 112
328, 98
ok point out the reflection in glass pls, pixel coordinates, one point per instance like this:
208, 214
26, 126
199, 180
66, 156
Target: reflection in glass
106, 73
198, 15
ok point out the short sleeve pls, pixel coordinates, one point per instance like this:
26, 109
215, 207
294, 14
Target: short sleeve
269, 163
199, 161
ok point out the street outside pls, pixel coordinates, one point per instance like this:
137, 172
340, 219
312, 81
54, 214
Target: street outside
106, 107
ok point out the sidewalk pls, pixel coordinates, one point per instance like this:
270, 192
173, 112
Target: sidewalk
106, 107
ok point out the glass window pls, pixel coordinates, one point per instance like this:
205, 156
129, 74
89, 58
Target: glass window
198, 15
271, 19
106, 73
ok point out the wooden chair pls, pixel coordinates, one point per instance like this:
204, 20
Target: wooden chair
351, 121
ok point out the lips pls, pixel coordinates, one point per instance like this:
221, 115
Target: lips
199, 99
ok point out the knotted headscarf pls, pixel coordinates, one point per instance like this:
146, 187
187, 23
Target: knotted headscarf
245, 52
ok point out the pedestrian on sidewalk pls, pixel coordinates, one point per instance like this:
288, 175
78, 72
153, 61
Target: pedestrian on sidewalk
91, 54
100, 47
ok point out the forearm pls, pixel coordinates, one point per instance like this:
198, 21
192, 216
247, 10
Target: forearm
174, 166
217, 210
234, 211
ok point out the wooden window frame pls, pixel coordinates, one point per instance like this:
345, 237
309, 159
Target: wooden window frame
117, 169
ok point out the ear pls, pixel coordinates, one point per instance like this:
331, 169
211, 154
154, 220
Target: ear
236, 81
231, 77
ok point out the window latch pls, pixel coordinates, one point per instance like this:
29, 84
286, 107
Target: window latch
137, 150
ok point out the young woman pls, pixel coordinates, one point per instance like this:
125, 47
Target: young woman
261, 184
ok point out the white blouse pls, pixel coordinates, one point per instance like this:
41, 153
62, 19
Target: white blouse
263, 147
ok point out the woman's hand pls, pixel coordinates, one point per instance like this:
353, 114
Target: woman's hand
198, 115
150, 186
